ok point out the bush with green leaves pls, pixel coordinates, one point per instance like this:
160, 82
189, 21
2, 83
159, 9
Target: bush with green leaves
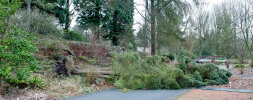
240, 66
72, 35
171, 57
16, 51
16, 57
135, 72
251, 64
189, 54
37, 22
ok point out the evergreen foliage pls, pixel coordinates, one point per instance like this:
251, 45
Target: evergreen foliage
63, 12
37, 22
7, 9
114, 19
92, 12
16, 52
141, 72
122, 20
59, 8
72, 35
17, 59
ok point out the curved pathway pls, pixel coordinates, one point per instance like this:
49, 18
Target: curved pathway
114, 94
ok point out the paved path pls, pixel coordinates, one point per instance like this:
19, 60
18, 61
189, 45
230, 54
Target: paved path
225, 89
114, 94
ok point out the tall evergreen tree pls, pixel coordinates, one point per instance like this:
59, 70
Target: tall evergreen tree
93, 15
121, 23
168, 9
63, 12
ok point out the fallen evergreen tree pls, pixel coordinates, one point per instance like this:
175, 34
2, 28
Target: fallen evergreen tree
140, 72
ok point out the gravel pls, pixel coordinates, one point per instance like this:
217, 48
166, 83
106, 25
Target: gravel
197, 94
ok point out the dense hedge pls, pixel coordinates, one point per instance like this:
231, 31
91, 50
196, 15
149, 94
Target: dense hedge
140, 72
71, 35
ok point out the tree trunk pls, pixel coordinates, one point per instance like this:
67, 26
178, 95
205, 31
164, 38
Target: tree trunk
29, 12
145, 29
153, 32
67, 23
96, 38
83, 72
29, 6
158, 32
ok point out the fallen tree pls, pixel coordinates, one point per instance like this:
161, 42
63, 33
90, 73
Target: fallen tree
85, 72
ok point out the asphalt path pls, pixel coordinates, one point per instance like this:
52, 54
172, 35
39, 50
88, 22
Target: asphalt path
115, 94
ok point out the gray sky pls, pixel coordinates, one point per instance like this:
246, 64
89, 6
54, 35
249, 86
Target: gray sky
140, 5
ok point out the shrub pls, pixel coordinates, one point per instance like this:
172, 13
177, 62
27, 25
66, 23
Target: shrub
187, 60
55, 56
240, 66
36, 82
71, 35
251, 64
36, 22
171, 57
17, 59
189, 54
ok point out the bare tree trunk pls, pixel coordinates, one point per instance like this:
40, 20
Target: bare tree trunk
29, 6
96, 38
67, 23
158, 32
153, 32
146, 26
96, 30
29, 12
84, 72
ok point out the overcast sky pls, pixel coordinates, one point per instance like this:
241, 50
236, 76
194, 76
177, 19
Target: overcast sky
140, 5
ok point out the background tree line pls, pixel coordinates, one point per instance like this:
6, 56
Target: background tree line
172, 25
169, 25
99, 19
